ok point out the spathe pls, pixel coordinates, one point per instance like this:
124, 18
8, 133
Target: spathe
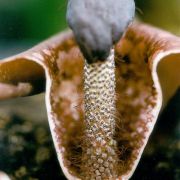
141, 53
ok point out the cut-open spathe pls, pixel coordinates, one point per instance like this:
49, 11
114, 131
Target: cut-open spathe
147, 62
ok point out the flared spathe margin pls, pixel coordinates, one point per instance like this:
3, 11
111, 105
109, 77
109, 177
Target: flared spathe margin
157, 50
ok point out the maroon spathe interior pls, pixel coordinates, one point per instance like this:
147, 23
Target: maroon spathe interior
135, 99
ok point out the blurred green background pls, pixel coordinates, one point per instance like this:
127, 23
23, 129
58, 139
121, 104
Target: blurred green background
31, 19
24, 23
162, 13
38, 19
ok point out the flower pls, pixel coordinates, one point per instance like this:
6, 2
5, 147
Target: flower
147, 73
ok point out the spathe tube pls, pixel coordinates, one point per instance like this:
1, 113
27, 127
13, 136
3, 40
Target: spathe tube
147, 73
